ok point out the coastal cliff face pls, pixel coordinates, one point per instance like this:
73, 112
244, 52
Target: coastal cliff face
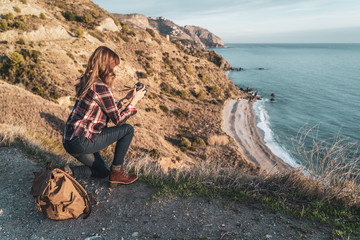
135, 21
209, 39
189, 36
44, 52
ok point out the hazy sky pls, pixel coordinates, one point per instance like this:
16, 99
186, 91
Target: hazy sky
256, 21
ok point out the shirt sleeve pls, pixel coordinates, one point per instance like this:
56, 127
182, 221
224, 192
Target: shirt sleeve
107, 103
121, 102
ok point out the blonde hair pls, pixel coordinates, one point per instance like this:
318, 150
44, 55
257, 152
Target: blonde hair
100, 67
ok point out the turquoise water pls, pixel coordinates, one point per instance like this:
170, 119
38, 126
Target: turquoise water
313, 83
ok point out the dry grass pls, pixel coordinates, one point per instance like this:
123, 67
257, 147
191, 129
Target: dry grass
204, 173
31, 112
332, 166
332, 176
330, 160
36, 145
218, 140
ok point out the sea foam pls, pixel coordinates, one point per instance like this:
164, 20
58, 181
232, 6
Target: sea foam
263, 124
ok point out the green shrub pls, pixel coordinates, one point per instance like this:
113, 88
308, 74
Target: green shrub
54, 94
202, 77
35, 54
200, 95
167, 61
97, 34
125, 28
17, 9
42, 16
179, 112
69, 16
87, 18
124, 37
185, 130
184, 94
19, 24
157, 40
71, 56
189, 70
164, 108
25, 67
148, 68
21, 41
39, 90
147, 64
183, 149
3, 25
149, 109
167, 88
139, 52
184, 142
155, 154
151, 32
9, 16
142, 75
95, 13
179, 45
16, 60
192, 148
215, 91
152, 96
24, 1
198, 142
117, 23
79, 32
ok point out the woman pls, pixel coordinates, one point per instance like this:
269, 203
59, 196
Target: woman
86, 131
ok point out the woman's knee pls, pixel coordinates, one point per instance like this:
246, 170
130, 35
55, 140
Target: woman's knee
129, 129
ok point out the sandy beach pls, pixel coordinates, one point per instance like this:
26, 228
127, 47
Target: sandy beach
239, 121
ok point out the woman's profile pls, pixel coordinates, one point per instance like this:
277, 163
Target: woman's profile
86, 131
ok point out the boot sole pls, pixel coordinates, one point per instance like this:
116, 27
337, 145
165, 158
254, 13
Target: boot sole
115, 184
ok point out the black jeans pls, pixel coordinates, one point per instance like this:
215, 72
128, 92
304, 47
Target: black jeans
87, 152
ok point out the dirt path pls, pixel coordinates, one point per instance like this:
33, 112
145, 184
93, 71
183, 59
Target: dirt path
133, 212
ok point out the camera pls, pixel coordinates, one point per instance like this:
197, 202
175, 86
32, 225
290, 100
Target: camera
139, 86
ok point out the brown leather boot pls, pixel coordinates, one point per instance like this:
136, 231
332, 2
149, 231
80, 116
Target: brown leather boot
118, 176
67, 169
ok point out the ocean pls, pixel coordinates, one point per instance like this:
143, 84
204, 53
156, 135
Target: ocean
315, 85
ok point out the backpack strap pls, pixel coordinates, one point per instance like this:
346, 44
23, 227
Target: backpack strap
88, 198
48, 165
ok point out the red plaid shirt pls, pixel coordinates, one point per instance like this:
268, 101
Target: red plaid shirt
92, 113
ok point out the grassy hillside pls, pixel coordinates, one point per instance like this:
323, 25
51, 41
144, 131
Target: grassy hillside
49, 50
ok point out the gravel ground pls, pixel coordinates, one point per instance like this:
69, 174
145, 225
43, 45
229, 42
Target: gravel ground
135, 212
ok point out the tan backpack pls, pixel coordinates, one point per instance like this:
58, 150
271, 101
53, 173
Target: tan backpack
59, 196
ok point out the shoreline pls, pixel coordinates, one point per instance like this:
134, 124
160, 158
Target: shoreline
239, 122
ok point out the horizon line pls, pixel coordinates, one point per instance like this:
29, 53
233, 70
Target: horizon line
292, 43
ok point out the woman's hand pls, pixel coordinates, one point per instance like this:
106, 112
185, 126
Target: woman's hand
131, 94
138, 95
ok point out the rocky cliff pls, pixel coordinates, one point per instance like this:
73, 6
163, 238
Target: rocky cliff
203, 35
189, 36
135, 21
